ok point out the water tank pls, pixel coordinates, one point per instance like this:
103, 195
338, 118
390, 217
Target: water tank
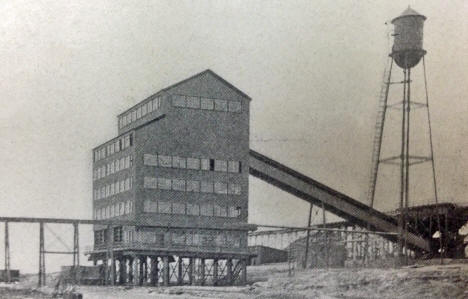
408, 38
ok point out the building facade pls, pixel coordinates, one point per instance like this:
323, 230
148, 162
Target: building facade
180, 160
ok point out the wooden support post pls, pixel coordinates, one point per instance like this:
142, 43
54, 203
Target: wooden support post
7, 253
122, 270
309, 222
42, 278
76, 253
215, 271
190, 270
324, 221
202, 271
243, 271
154, 271
113, 269
229, 271
180, 273
109, 255
166, 271
135, 271
141, 270
446, 234
131, 261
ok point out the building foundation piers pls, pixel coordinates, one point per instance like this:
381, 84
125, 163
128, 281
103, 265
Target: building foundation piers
163, 269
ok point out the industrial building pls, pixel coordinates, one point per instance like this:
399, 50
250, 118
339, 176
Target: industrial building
180, 160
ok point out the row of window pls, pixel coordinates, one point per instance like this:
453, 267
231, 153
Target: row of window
194, 209
191, 186
205, 239
114, 210
113, 167
114, 147
206, 103
139, 112
113, 188
219, 239
192, 163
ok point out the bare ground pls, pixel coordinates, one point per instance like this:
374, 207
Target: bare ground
272, 281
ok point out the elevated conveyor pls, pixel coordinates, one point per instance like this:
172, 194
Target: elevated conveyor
335, 202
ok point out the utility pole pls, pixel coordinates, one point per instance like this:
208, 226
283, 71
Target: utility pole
7, 254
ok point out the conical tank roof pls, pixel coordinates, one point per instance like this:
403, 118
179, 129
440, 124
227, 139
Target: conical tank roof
409, 12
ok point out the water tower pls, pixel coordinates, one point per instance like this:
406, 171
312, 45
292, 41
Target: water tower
407, 51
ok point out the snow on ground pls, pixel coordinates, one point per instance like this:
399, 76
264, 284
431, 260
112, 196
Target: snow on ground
272, 281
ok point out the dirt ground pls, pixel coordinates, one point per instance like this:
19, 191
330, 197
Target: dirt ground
273, 281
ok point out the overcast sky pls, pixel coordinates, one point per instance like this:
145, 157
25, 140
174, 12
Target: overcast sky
313, 69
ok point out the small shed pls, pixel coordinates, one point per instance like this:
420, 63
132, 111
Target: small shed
267, 255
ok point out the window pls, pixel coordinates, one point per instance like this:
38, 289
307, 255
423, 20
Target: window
112, 189
234, 189
150, 206
178, 162
196, 239
220, 211
127, 207
151, 183
205, 164
150, 160
220, 105
138, 112
220, 165
164, 161
193, 102
178, 208
144, 110
117, 165
122, 186
156, 103
111, 211
220, 240
178, 185
164, 207
116, 188
150, 106
134, 116
234, 211
233, 166
206, 210
207, 104
178, 101
193, 209
164, 184
212, 164
121, 209
126, 141
127, 184
220, 188
193, 186
207, 239
206, 187
234, 106
118, 234
193, 163
178, 238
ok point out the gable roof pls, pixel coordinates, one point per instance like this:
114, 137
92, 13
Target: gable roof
196, 76
208, 71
